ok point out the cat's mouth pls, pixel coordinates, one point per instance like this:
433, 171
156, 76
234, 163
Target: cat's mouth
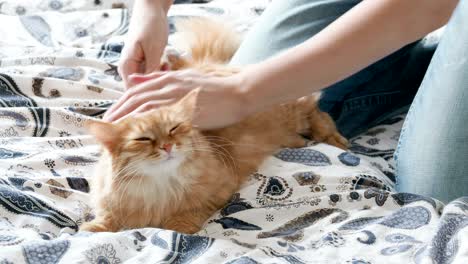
169, 157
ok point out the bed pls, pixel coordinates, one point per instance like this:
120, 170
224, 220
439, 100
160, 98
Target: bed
317, 204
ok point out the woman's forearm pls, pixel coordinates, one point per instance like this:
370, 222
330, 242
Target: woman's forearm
164, 4
370, 31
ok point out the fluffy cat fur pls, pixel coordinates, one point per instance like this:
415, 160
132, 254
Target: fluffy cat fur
156, 170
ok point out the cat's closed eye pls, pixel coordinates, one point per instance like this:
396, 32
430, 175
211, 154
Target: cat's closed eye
174, 129
143, 139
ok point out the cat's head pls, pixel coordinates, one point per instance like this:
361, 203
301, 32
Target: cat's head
156, 141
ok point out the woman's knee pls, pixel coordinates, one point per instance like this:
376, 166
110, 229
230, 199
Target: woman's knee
285, 24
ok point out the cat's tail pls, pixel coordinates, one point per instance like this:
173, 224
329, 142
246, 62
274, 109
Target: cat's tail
207, 40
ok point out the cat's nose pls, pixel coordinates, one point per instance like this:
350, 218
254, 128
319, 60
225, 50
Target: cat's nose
167, 147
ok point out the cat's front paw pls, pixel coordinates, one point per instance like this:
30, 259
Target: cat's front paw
190, 230
337, 140
95, 226
181, 227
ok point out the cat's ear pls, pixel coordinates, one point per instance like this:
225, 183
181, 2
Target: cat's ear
187, 106
172, 60
105, 133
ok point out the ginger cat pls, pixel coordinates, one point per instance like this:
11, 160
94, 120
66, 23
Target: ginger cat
156, 170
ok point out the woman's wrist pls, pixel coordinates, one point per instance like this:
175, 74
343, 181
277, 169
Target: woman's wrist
243, 88
256, 89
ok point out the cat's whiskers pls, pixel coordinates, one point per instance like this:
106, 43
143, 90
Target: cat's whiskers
235, 162
228, 162
226, 158
208, 150
194, 147
130, 170
225, 154
231, 143
140, 182
234, 145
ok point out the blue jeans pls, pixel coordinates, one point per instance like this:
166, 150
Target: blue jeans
433, 149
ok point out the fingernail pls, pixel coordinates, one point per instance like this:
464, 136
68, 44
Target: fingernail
165, 67
107, 118
136, 74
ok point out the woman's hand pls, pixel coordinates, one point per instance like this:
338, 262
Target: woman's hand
146, 39
220, 102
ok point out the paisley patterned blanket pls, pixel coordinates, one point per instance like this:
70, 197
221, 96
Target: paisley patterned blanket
312, 205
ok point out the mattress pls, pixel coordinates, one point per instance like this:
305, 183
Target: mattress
317, 204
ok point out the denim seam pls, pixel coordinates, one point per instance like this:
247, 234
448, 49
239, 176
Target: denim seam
369, 100
398, 147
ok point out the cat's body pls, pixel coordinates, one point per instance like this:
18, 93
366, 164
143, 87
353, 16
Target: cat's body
176, 194
156, 170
